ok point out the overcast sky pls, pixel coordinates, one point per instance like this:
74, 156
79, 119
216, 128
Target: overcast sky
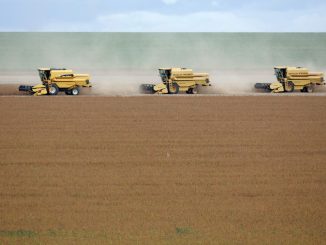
164, 15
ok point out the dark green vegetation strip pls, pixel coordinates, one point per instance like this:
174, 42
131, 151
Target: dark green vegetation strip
18, 233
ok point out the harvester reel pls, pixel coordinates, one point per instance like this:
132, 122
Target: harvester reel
147, 88
264, 86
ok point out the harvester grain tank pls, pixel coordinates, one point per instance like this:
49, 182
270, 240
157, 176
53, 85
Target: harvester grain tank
55, 80
290, 79
175, 80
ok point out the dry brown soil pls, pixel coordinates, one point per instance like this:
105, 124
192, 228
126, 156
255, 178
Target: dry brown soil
9, 89
162, 170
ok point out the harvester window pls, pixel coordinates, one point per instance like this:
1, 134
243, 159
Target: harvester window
165, 75
44, 75
280, 73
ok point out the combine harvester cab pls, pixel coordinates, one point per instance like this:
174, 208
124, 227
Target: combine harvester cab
56, 80
290, 79
175, 80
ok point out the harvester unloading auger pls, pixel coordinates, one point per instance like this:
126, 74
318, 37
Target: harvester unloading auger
175, 80
290, 79
55, 80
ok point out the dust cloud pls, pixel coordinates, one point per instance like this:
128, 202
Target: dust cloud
121, 82
120, 62
223, 82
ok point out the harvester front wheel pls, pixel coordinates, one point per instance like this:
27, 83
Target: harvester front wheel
53, 89
173, 88
75, 91
289, 86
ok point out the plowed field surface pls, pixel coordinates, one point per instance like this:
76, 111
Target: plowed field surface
162, 170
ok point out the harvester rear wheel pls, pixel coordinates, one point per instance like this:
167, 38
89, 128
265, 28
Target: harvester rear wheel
173, 88
53, 89
75, 91
309, 88
289, 87
193, 90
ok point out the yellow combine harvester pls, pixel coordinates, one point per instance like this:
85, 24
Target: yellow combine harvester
175, 80
290, 79
55, 80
